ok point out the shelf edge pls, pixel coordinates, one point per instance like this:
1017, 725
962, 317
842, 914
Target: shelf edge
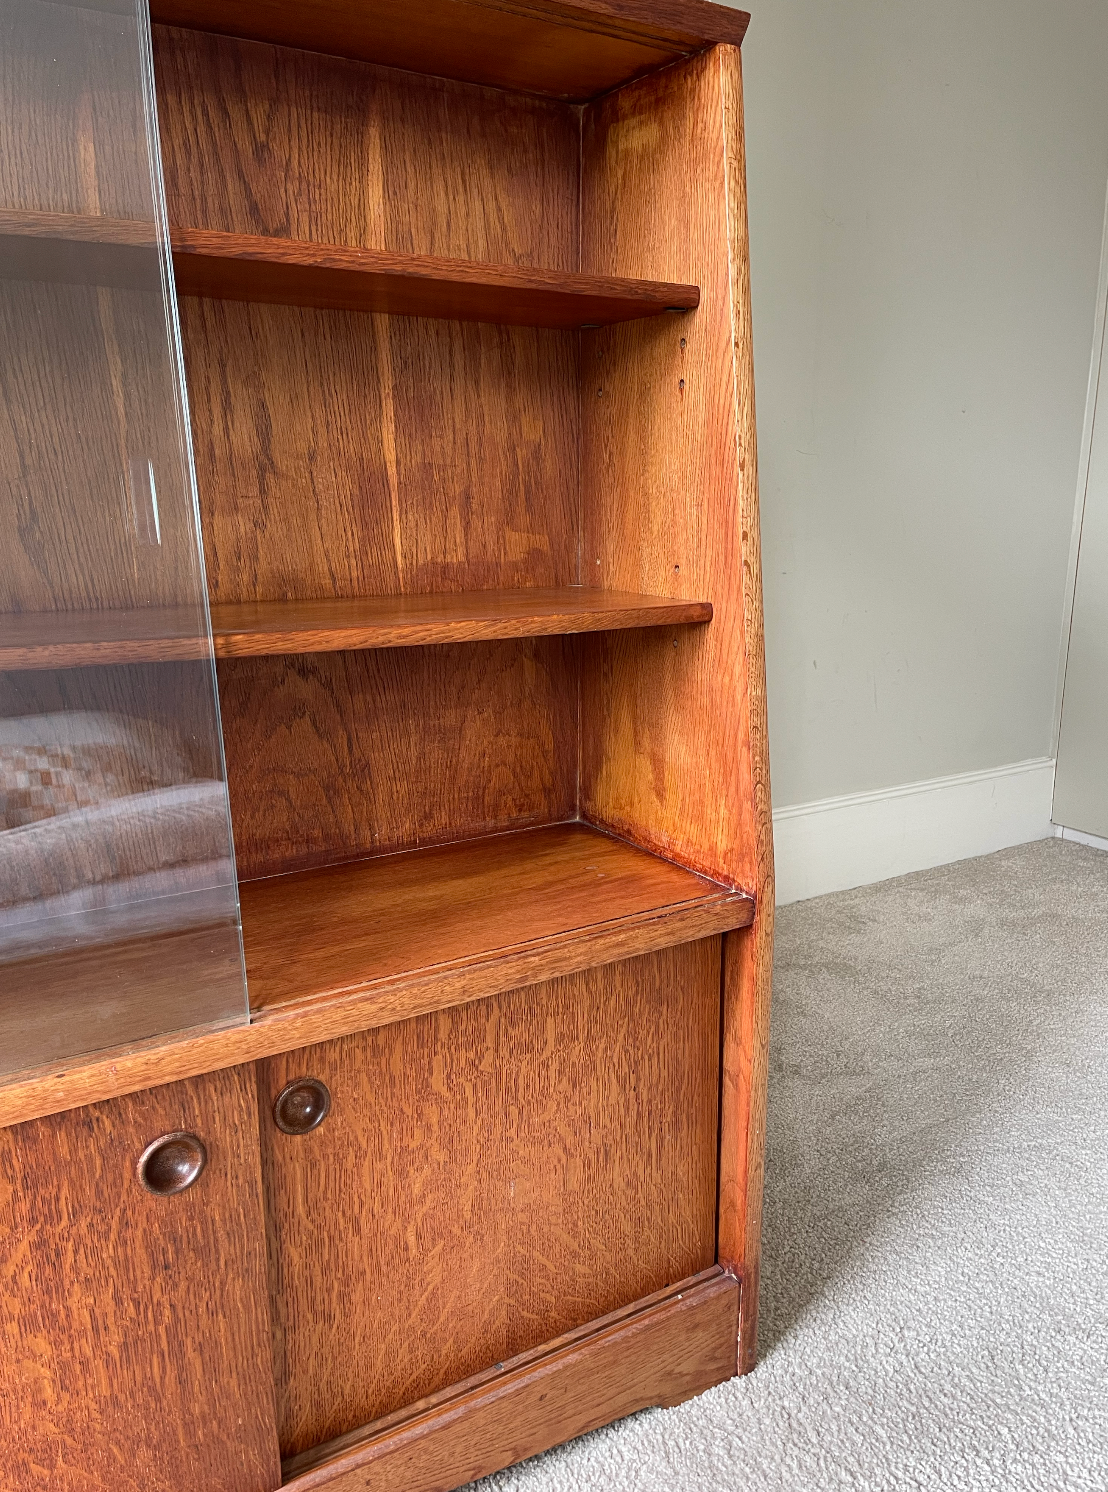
110, 1074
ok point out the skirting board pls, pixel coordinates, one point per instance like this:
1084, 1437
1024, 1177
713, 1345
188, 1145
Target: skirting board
1078, 836
855, 840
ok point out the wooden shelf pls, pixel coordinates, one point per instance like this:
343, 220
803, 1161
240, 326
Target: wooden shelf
90, 250
76, 249
285, 271
78, 639
82, 639
569, 51
252, 629
469, 919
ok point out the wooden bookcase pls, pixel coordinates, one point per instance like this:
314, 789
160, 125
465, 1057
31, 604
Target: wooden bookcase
464, 305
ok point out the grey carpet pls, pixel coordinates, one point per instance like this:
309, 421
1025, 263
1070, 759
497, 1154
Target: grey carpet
935, 1288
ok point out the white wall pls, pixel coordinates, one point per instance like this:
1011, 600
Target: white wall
926, 199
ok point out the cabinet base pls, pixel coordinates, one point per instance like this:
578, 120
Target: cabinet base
661, 1350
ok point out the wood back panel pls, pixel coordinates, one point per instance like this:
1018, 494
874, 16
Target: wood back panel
74, 128
87, 393
135, 1326
485, 1181
340, 454
270, 140
334, 756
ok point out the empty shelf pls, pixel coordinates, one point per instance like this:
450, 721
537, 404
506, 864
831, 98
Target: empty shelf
77, 639
80, 639
250, 629
284, 271
470, 918
93, 250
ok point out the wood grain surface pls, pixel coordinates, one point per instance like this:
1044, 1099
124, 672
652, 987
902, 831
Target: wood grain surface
135, 1327
748, 955
333, 756
341, 929
70, 1002
250, 629
127, 1068
83, 639
483, 1183
79, 249
295, 145
573, 51
662, 1350
287, 272
74, 125
674, 749
253, 628
443, 454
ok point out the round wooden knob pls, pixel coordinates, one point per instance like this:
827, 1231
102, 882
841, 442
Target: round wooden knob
301, 1106
172, 1163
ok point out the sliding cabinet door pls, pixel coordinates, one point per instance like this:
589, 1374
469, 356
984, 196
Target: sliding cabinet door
118, 899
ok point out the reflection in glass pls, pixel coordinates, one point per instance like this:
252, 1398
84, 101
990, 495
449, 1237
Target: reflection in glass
118, 901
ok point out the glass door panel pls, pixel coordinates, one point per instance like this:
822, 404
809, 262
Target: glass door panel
118, 899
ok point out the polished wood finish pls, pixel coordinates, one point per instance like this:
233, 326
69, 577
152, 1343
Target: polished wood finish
336, 756
271, 270
126, 1069
339, 931
573, 51
669, 450
661, 1350
83, 639
294, 145
525, 945
332, 277
109, 1289
748, 955
557, 1187
444, 453
251, 629
77, 249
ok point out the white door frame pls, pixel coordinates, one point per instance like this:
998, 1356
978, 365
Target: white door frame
1099, 328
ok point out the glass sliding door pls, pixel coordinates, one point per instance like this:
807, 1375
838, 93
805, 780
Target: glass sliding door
118, 899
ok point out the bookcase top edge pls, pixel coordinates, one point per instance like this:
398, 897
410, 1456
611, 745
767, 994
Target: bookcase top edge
574, 52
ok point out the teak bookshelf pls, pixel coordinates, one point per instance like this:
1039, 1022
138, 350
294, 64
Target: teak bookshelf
465, 314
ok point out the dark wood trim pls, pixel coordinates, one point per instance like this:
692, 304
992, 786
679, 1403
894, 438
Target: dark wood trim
661, 1350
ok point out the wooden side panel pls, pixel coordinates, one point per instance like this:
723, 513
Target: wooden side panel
264, 139
489, 1177
134, 1327
674, 748
748, 955
332, 756
661, 1350
664, 742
